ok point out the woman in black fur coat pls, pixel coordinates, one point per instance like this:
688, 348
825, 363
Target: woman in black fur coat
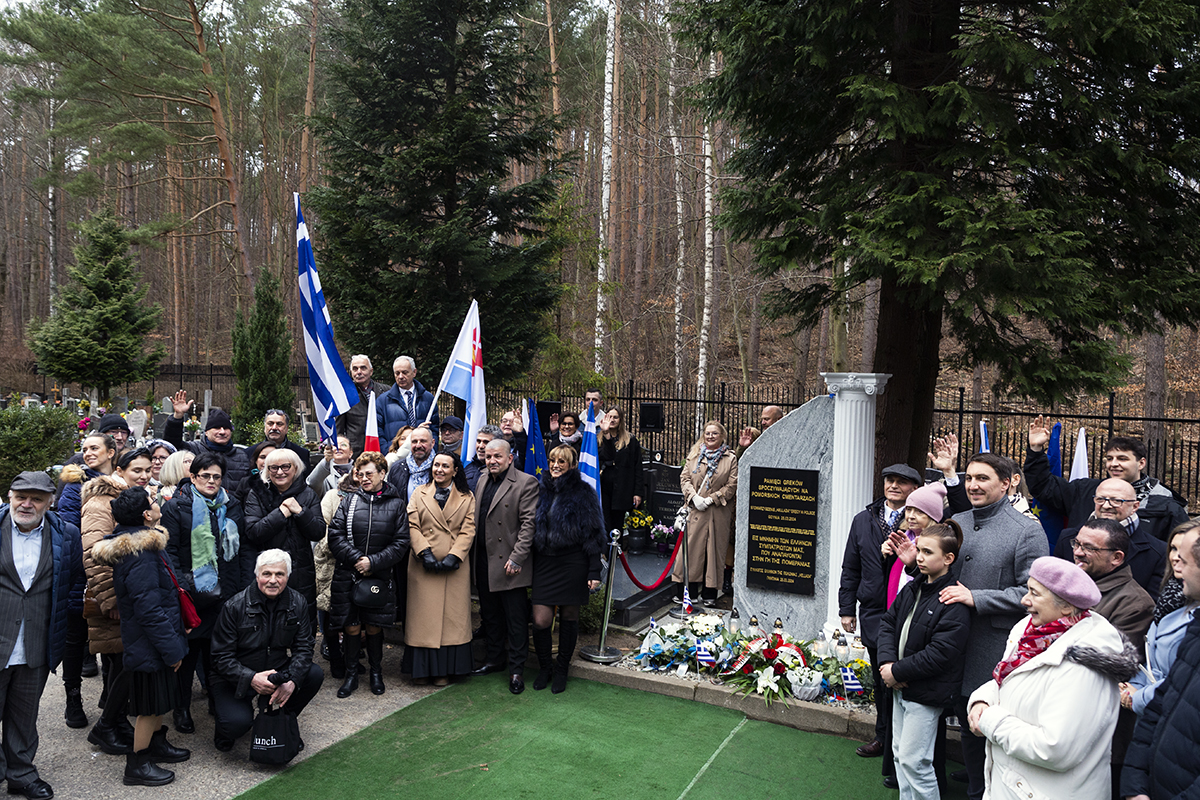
568, 538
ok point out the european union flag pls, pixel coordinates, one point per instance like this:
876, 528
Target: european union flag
536, 462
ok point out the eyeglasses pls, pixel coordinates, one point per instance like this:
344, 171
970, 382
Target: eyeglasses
1112, 501
1087, 548
210, 477
279, 468
159, 459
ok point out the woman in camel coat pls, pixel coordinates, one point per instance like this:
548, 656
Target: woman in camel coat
441, 521
709, 483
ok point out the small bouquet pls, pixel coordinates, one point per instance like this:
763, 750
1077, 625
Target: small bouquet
638, 519
661, 534
192, 426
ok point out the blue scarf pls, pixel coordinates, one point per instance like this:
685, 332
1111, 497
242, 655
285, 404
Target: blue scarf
204, 542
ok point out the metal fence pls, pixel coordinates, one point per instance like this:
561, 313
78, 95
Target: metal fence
1172, 443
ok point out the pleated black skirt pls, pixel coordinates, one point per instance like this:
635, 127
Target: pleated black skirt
152, 693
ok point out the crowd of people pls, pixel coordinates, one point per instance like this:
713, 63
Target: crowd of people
204, 561
1071, 675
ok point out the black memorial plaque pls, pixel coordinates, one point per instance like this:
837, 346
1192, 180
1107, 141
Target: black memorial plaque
782, 548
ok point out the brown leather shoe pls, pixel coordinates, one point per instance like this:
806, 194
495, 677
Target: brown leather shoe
872, 749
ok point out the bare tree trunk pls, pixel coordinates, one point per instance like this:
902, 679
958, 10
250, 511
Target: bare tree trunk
555, 102
680, 237
1156, 389
870, 334
823, 343
709, 258
755, 329
803, 350
839, 360
639, 250
605, 187
309, 99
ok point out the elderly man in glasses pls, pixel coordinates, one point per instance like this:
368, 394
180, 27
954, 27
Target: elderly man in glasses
1146, 556
275, 430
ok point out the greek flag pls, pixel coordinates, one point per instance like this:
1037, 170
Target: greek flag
850, 681
589, 454
332, 388
985, 441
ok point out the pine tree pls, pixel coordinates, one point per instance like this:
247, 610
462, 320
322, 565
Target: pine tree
261, 351
1022, 177
96, 334
437, 103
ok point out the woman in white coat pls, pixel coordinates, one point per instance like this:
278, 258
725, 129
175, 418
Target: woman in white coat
1050, 709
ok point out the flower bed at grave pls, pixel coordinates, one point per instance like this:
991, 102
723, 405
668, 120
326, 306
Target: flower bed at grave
775, 666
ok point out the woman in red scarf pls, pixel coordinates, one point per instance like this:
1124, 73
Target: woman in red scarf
1050, 709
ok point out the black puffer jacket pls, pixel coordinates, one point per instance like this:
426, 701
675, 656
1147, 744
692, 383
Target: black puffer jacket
151, 625
932, 665
267, 528
232, 575
255, 634
1163, 759
379, 532
237, 457
568, 520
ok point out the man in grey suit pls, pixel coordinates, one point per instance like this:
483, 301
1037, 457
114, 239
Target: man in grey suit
999, 545
40, 560
505, 503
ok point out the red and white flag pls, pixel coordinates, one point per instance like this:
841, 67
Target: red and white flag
371, 444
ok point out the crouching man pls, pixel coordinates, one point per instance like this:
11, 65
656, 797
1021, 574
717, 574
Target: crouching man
262, 647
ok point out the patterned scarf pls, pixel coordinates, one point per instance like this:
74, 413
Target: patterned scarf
204, 542
1034, 641
418, 474
709, 458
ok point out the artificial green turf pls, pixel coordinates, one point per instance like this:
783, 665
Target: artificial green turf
476, 740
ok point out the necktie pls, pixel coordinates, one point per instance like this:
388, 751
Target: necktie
412, 416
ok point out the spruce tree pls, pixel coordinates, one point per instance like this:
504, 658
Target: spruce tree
96, 334
1020, 176
434, 104
261, 354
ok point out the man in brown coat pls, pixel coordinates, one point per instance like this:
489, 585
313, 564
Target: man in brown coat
505, 503
1100, 548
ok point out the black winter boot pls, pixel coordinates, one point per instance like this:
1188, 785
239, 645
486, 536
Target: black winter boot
375, 659
568, 635
124, 731
140, 770
543, 644
106, 736
163, 751
74, 713
350, 649
337, 661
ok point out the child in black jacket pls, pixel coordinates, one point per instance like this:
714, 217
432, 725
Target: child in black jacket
921, 644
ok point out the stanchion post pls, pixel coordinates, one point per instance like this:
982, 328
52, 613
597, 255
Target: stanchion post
603, 654
682, 612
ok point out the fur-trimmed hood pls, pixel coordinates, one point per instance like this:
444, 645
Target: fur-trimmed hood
72, 473
1119, 666
125, 541
103, 486
568, 516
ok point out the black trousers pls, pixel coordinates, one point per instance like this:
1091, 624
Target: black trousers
199, 652
974, 750
235, 715
883, 713
117, 686
75, 649
505, 618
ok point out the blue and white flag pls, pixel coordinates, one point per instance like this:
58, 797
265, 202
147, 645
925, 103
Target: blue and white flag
589, 454
985, 442
463, 378
333, 390
850, 681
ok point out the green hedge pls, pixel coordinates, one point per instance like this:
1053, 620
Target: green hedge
33, 439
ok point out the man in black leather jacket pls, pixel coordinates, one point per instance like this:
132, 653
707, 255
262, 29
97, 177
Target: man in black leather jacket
262, 648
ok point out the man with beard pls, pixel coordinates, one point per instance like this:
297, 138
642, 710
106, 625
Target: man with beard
217, 438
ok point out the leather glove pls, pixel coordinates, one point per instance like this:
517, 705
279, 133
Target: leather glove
450, 563
430, 563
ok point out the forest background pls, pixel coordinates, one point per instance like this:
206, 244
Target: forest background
209, 177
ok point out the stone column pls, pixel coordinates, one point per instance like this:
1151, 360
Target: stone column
853, 462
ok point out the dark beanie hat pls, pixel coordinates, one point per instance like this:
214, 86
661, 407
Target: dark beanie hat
129, 505
113, 422
217, 418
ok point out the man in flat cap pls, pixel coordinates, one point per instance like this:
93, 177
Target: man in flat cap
864, 584
40, 560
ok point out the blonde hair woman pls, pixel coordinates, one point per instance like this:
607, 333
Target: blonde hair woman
709, 483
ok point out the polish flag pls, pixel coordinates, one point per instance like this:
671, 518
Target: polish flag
371, 444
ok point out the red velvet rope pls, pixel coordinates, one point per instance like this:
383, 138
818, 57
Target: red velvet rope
661, 578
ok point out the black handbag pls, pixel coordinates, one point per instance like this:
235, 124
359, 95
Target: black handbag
276, 737
369, 593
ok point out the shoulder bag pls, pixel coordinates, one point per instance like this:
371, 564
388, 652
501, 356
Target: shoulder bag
368, 592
